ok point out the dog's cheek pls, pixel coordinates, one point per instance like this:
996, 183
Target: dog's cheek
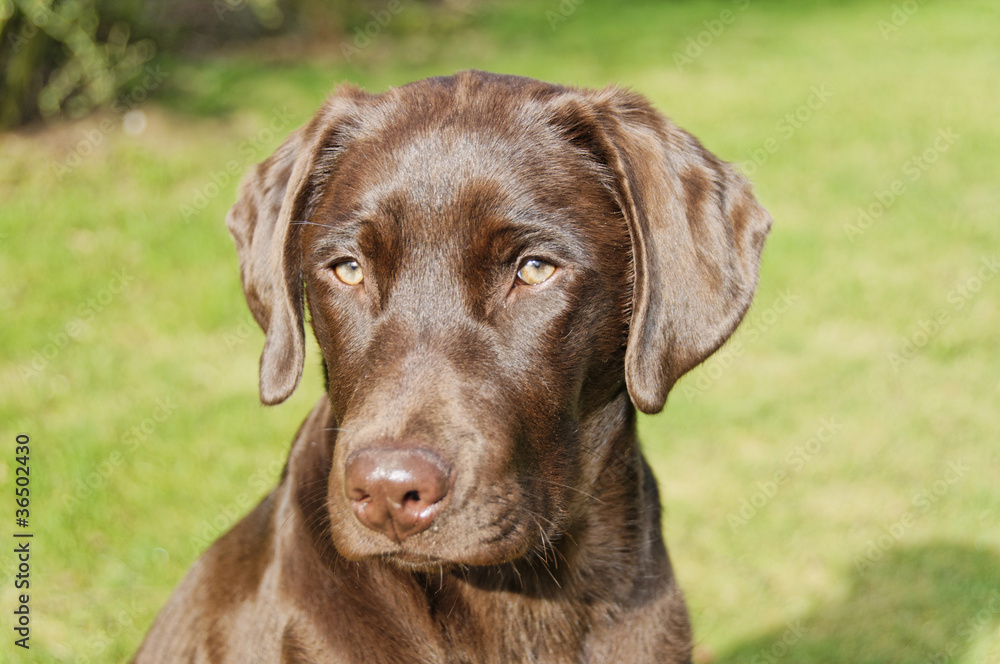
340, 330
592, 334
544, 451
586, 354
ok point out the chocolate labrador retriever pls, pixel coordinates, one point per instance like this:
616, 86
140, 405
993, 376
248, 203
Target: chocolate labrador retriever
498, 272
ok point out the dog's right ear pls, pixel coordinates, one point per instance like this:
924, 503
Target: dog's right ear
697, 234
265, 223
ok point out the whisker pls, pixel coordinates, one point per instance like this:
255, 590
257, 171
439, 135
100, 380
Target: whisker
305, 222
571, 488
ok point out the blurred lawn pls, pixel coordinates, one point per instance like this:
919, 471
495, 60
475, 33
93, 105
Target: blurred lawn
831, 479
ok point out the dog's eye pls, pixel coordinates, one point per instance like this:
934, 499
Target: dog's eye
535, 271
349, 272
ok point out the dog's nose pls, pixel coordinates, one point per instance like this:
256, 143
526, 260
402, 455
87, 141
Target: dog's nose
396, 492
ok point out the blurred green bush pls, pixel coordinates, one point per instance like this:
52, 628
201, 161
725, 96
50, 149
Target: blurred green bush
63, 58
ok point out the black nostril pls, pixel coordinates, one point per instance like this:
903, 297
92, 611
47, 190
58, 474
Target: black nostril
396, 492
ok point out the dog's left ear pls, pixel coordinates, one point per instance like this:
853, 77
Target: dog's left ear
265, 224
697, 234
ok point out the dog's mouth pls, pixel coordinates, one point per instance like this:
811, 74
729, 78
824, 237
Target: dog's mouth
416, 562
505, 543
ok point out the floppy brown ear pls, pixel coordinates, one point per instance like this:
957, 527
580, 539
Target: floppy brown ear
265, 224
697, 234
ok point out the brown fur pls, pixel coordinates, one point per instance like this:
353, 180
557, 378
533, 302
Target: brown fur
548, 545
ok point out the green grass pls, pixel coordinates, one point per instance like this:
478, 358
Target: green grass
152, 400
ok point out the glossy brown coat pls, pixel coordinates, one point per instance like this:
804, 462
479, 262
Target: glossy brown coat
514, 402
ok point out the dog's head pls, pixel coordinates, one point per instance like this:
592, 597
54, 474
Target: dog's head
491, 263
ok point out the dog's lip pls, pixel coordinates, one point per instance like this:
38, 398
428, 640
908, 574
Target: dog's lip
415, 561
418, 558
405, 555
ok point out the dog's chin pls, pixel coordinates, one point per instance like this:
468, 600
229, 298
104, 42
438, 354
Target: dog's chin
416, 562
418, 559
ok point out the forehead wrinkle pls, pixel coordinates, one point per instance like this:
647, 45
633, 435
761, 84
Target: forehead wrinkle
435, 165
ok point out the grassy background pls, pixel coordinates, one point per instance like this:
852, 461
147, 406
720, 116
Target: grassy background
830, 478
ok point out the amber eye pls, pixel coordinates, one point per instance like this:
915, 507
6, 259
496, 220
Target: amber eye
349, 272
535, 271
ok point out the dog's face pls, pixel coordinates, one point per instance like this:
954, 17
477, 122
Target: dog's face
468, 281
487, 262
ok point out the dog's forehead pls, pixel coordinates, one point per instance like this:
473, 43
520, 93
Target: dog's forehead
437, 159
434, 166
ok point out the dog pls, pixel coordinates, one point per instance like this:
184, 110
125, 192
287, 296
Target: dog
498, 272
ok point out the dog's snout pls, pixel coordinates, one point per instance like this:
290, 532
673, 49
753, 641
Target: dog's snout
396, 492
